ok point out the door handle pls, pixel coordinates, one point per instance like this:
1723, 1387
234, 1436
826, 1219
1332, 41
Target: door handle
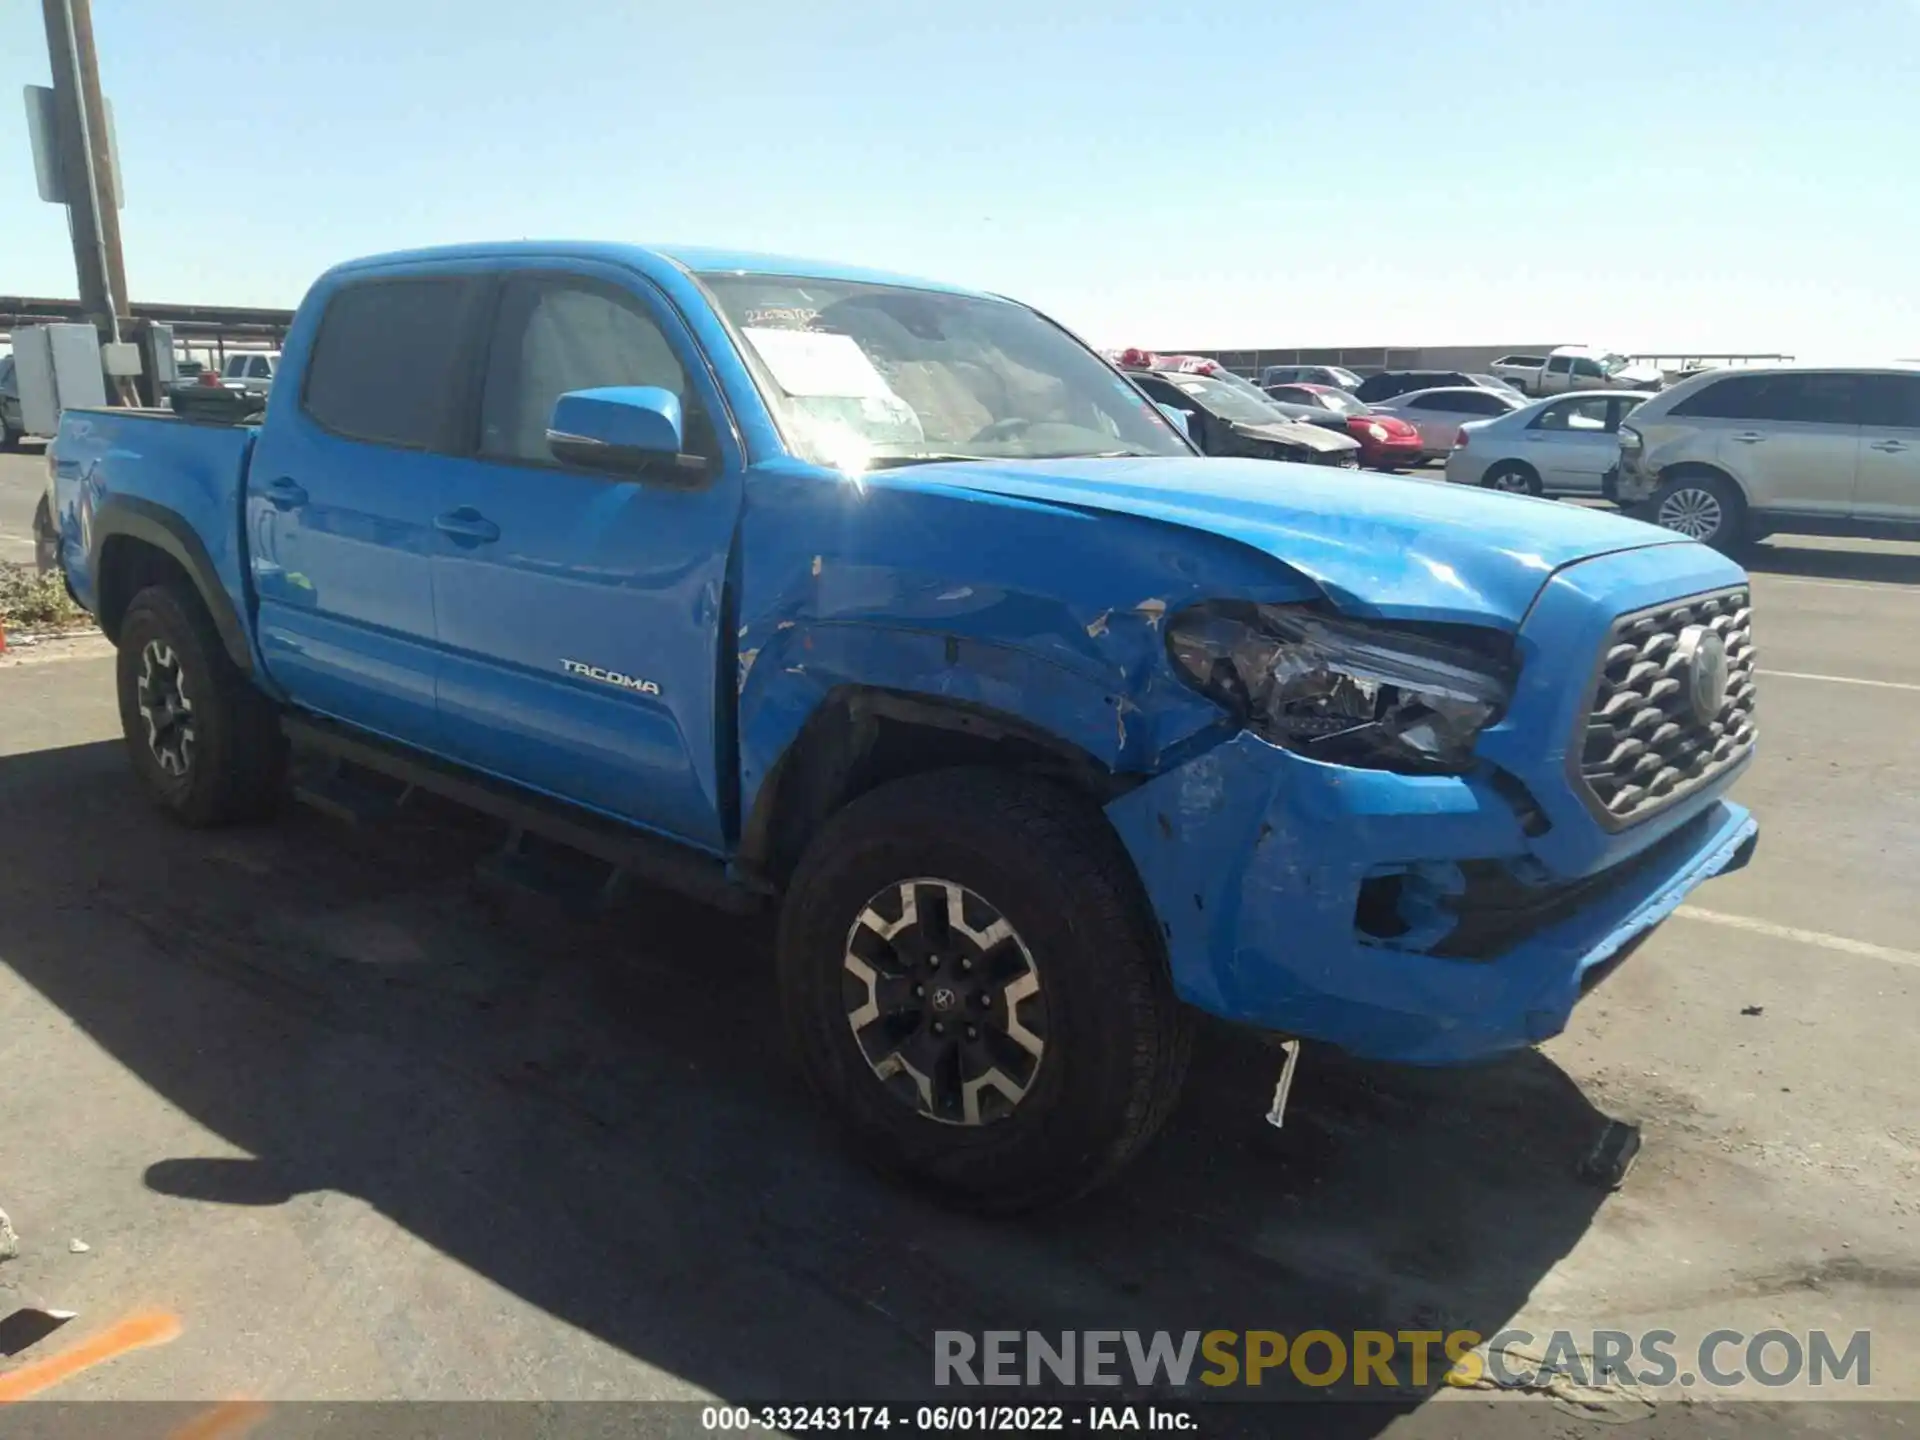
1749, 437
285, 494
468, 526
1891, 447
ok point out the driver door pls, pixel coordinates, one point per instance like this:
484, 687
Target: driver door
579, 614
1574, 444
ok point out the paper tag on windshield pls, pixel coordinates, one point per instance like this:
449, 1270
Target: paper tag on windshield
807, 362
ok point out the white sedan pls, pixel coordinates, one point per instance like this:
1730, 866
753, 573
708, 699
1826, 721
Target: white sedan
1564, 445
1439, 413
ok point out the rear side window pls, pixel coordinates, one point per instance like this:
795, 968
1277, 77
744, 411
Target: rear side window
1731, 399
1816, 399
1559, 364
1890, 402
1805, 397
385, 366
1482, 402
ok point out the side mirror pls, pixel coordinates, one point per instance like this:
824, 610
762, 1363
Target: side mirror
620, 429
1176, 415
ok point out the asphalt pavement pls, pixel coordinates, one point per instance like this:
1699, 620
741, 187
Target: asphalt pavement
23, 480
370, 1131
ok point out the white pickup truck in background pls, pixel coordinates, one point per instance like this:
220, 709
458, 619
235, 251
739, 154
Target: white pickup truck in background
1577, 367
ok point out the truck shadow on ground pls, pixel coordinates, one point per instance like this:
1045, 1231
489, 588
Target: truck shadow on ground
598, 1116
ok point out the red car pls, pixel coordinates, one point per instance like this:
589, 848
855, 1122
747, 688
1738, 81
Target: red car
1386, 441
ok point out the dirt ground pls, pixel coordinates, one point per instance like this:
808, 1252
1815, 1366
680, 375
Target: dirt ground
373, 1132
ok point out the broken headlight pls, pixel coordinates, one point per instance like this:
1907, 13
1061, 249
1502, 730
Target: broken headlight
1346, 691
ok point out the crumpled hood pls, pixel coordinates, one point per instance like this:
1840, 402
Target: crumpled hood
1375, 544
1301, 434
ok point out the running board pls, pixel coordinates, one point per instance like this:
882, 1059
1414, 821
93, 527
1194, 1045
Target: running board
659, 862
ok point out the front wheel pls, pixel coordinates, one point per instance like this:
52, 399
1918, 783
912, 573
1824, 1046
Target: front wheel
1701, 507
206, 745
974, 986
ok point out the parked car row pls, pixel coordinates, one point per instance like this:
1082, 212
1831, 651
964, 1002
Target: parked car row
1724, 455
1568, 367
1727, 457
1225, 414
1387, 442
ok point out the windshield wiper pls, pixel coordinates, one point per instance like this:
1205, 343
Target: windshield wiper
889, 462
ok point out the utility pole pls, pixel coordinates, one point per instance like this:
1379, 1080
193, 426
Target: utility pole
86, 163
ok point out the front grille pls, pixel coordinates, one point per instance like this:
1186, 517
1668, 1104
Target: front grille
1644, 747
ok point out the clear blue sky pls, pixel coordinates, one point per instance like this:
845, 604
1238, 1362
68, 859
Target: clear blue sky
1643, 174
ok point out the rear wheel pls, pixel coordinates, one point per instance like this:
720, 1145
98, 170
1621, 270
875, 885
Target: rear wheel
1701, 507
1513, 477
206, 745
974, 986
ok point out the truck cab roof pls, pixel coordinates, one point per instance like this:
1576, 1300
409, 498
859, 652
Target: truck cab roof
691, 259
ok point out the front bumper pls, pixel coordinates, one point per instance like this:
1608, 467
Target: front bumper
1630, 482
1389, 452
1257, 862
1467, 467
1432, 918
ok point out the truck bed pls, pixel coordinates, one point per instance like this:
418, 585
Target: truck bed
170, 480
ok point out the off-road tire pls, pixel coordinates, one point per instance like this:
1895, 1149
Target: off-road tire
235, 766
1117, 1039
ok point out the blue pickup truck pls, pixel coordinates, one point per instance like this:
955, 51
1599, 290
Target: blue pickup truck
894, 605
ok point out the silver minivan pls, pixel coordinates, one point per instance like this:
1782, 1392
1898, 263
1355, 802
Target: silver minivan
1734, 455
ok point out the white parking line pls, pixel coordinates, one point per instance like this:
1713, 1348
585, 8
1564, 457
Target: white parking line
1841, 679
1888, 588
1805, 937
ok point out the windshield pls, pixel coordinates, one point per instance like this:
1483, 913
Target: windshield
1228, 401
1243, 385
1614, 364
862, 376
1343, 376
1341, 403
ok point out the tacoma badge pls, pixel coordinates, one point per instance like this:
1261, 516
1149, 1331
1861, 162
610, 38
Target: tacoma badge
610, 677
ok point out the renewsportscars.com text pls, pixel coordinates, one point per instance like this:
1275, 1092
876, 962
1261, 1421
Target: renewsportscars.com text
1719, 1359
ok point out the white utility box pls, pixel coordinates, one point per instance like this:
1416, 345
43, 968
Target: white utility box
58, 368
